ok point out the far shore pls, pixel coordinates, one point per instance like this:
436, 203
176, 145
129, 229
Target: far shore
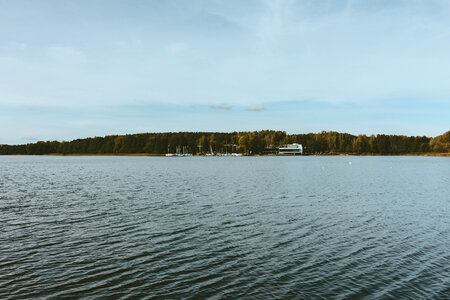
317, 154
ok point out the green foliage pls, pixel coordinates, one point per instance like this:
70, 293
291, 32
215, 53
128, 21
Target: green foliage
257, 142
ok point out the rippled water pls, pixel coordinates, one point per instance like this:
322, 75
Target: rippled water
230, 227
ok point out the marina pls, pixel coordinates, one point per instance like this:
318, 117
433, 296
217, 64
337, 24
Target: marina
285, 150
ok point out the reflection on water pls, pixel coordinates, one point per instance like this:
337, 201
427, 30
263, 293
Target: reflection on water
230, 227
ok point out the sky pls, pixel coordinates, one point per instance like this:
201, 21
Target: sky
75, 69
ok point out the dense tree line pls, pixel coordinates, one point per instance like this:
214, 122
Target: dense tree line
441, 143
257, 142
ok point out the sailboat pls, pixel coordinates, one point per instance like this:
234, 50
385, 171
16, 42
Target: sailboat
185, 152
169, 154
211, 153
179, 151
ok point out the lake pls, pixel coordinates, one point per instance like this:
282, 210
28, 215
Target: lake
224, 227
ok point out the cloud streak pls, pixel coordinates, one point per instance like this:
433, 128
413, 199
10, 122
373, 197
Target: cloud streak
255, 108
221, 107
30, 139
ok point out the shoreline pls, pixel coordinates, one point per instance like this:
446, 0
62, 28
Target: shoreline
164, 155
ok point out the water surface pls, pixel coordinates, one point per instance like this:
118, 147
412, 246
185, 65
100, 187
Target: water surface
224, 227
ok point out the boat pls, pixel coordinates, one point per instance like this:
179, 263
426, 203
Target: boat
211, 153
185, 151
291, 149
168, 153
179, 152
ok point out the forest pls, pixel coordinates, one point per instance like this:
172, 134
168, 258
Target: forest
249, 143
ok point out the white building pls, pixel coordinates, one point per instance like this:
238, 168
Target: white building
291, 149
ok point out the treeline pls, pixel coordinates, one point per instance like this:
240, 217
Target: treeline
258, 142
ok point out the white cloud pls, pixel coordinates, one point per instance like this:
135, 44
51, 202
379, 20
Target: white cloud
251, 52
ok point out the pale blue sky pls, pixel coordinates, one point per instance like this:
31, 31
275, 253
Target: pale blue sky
72, 69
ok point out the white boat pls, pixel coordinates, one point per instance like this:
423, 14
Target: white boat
179, 152
169, 154
185, 151
291, 149
236, 154
211, 153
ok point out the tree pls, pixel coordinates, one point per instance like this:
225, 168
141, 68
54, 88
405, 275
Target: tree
361, 144
441, 143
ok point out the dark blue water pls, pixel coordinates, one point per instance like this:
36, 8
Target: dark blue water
224, 228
